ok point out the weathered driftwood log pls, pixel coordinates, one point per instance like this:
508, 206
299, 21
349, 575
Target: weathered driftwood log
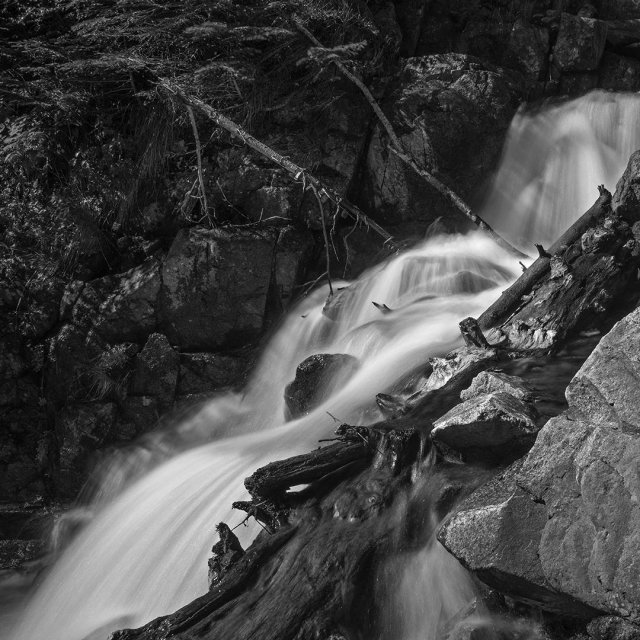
588, 270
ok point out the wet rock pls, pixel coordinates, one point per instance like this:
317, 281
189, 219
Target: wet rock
450, 112
494, 381
491, 427
315, 378
156, 370
14, 553
139, 414
580, 43
573, 505
226, 552
81, 430
202, 372
626, 200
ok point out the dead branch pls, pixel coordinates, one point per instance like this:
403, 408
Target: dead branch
298, 173
196, 136
397, 149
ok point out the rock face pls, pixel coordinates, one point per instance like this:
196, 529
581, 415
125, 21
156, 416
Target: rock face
215, 285
580, 43
626, 200
450, 112
315, 377
574, 503
491, 427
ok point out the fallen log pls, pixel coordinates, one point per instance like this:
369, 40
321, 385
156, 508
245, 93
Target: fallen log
298, 173
588, 270
314, 575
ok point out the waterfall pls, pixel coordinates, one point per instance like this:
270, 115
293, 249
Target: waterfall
144, 552
552, 161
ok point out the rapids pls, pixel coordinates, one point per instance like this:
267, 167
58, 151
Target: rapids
143, 552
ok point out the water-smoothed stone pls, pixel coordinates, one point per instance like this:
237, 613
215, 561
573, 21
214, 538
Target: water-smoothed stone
580, 43
494, 381
491, 427
619, 73
315, 378
575, 501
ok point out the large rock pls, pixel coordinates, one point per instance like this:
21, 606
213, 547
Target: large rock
491, 427
580, 43
315, 378
626, 200
451, 112
574, 505
494, 381
528, 49
127, 303
215, 285
203, 372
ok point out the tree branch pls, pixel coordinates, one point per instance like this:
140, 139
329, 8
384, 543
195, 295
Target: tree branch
397, 149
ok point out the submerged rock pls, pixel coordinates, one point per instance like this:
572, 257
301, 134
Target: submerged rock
315, 378
574, 504
491, 427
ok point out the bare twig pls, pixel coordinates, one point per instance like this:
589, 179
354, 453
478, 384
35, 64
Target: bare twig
203, 193
397, 149
298, 173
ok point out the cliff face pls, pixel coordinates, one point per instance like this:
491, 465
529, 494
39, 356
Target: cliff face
128, 286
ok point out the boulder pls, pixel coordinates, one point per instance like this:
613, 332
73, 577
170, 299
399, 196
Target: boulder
316, 377
127, 303
574, 503
619, 73
139, 414
215, 284
494, 381
202, 372
580, 43
626, 200
528, 49
451, 112
492, 427
156, 370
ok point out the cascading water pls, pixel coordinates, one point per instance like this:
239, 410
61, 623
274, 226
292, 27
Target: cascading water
553, 160
144, 553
